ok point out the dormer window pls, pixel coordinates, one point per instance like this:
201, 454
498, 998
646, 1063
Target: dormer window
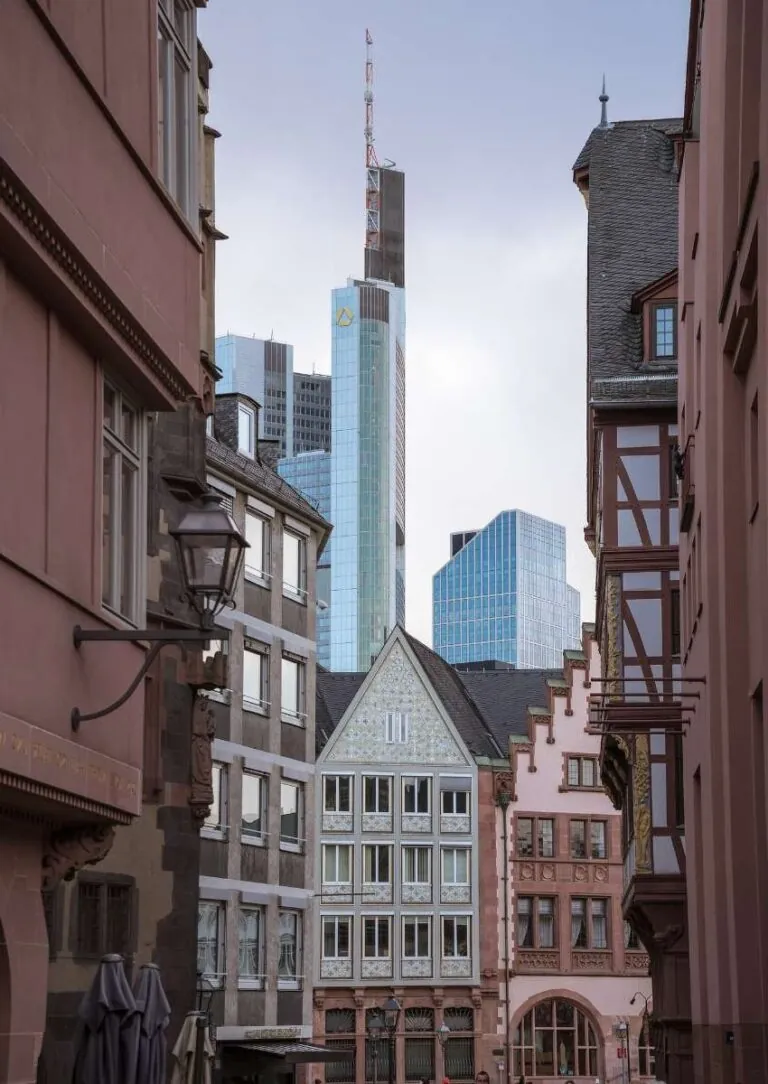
246, 431
664, 331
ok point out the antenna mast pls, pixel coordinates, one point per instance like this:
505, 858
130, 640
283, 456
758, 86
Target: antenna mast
372, 179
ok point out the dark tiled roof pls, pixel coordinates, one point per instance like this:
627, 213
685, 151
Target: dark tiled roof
335, 692
636, 387
632, 241
260, 476
504, 696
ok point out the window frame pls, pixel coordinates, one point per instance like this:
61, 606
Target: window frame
378, 919
246, 835
378, 812
455, 919
337, 920
297, 592
291, 844
252, 574
535, 915
249, 981
220, 787
454, 883
217, 980
454, 812
184, 55
655, 308
326, 847
588, 823
247, 414
288, 715
291, 982
336, 779
414, 780
588, 902
101, 883
426, 848
417, 920
374, 851
536, 838
260, 706
397, 727
581, 758
135, 456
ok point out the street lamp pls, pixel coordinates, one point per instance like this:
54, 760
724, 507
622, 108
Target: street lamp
442, 1037
634, 998
391, 1020
375, 1030
210, 549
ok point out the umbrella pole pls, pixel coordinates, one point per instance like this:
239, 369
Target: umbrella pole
201, 1024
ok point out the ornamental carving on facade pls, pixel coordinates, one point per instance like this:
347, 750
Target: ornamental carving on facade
637, 961
642, 803
526, 872
612, 647
580, 873
547, 873
203, 730
72, 849
601, 873
592, 961
504, 788
539, 961
668, 937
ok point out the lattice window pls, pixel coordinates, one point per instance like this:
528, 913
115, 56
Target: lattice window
420, 1059
459, 1019
343, 1070
104, 917
340, 1022
420, 1020
460, 1059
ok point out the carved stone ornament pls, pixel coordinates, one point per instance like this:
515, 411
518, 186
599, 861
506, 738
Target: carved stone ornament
504, 786
668, 937
73, 848
580, 873
642, 799
612, 647
526, 871
547, 873
203, 730
319, 998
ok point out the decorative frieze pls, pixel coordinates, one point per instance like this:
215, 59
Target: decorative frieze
453, 968
341, 893
637, 962
336, 969
338, 822
456, 894
416, 822
416, 893
377, 822
416, 969
460, 823
375, 892
376, 969
537, 960
591, 960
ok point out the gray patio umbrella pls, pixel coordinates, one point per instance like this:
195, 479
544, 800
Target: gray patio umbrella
107, 1038
155, 1012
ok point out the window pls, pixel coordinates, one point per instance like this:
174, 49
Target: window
377, 794
456, 936
217, 815
417, 937
255, 679
337, 794
289, 923
664, 331
631, 940
396, 727
555, 1039
674, 620
210, 940
417, 865
535, 922
589, 923
249, 945
595, 832
377, 863
209, 425
459, 1050
291, 810
254, 805
337, 863
246, 431
419, 1047
340, 1022
535, 837
646, 1055
122, 553
257, 554
176, 116
582, 772
295, 564
337, 937
416, 794
376, 939
455, 802
293, 690
104, 915
455, 866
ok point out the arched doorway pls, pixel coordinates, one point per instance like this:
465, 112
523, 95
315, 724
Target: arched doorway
556, 1039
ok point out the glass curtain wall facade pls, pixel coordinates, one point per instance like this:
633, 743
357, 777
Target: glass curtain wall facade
262, 369
310, 474
503, 596
367, 471
311, 413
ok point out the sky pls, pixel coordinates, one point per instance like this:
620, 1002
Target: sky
485, 105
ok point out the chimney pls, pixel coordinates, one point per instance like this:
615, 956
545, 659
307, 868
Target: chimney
269, 452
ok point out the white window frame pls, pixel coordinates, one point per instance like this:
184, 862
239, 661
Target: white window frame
247, 415
336, 920
296, 845
415, 780
378, 919
250, 703
178, 54
253, 524
134, 457
383, 812
251, 981
296, 591
404, 863
336, 847
216, 828
216, 980
455, 919
373, 851
293, 982
417, 920
247, 836
453, 851
288, 715
397, 727
454, 795
335, 779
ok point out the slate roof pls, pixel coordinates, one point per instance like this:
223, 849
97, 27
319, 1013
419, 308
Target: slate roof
334, 693
632, 241
504, 696
258, 475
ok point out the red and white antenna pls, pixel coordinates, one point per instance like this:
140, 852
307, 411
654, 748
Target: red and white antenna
372, 177
371, 160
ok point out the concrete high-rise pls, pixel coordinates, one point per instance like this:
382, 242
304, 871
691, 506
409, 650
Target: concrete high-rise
263, 370
311, 412
503, 595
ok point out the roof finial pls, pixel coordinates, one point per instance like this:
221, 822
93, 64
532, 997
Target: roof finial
603, 107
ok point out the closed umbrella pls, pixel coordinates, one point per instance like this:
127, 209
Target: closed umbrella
107, 1039
193, 1053
155, 1012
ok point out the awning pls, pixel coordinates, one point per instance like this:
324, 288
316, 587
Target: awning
293, 1053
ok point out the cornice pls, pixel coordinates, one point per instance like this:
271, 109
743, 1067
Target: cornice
64, 798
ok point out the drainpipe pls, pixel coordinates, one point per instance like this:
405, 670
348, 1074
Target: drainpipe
502, 801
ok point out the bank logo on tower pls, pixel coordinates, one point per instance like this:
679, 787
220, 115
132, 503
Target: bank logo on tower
344, 317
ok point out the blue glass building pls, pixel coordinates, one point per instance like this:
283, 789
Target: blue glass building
367, 470
310, 473
262, 369
503, 595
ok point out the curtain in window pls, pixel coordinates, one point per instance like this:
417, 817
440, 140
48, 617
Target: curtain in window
248, 946
578, 924
286, 963
546, 923
524, 931
208, 938
599, 925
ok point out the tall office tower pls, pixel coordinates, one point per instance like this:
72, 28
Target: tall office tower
503, 595
310, 474
263, 370
311, 412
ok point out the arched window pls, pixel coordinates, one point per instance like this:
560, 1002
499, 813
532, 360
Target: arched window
555, 1039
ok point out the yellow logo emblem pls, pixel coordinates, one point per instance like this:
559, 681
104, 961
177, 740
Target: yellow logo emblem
344, 317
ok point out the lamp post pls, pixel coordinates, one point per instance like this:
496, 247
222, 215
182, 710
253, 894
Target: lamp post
391, 1020
375, 1029
210, 550
442, 1037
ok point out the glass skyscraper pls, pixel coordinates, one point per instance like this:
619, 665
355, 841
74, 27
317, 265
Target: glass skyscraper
310, 473
263, 369
503, 595
367, 470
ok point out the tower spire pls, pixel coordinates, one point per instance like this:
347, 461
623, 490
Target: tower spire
370, 150
603, 106
372, 178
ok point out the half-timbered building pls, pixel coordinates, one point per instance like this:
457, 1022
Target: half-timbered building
626, 173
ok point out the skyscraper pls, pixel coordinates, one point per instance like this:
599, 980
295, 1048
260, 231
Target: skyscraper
311, 412
503, 595
262, 369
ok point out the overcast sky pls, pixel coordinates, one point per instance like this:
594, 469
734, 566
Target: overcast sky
484, 104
